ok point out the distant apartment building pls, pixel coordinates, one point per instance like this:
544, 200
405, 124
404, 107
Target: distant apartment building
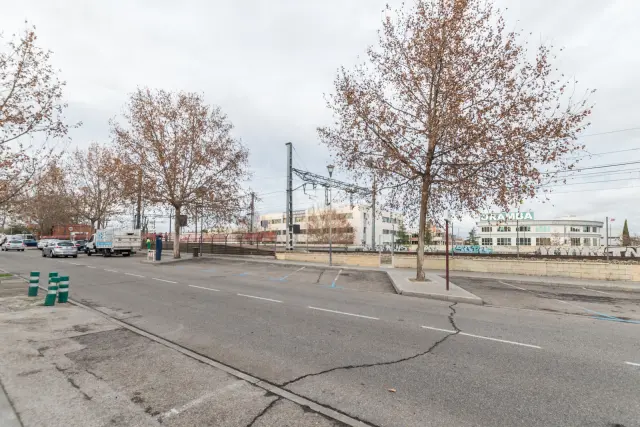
357, 222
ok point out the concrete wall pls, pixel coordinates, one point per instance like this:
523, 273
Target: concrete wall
338, 259
579, 270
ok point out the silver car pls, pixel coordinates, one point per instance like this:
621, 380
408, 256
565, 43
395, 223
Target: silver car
60, 249
14, 245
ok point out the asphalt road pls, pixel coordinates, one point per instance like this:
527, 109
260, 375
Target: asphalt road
345, 341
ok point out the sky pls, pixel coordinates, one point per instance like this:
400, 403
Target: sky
269, 64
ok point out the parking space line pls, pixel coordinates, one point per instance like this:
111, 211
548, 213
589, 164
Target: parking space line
333, 284
293, 272
594, 290
134, 275
266, 299
342, 312
110, 271
88, 266
499, 340
438, 329
202, 287
74, 263
513, 286
163, 280
632, 364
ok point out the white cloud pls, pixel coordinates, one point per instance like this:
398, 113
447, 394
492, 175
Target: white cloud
268, 63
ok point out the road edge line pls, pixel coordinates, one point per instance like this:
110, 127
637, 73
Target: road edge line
263, 384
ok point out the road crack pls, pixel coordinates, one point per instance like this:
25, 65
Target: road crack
264, 411
391, 362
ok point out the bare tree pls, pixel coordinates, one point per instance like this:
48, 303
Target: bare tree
49, 202
185, 151
319, 221
31, 113
452, 115
97, 183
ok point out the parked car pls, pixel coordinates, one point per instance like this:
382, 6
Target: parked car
14, 245
60, 248
30, 243
44, 242
79, 244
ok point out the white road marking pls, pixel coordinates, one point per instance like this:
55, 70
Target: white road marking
513, 286
342, 312
284, 277
74, 263
202, 287
498, 340
480, 336
134, 275
333, 284
110, 271
266, 299
632, 364
88, 266
438, 329
594, 290
175, 411
162, 280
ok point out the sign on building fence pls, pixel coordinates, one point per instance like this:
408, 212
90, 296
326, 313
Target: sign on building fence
507, 216
466, 249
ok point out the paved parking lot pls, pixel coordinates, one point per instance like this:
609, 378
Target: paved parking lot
370, 281
555, 298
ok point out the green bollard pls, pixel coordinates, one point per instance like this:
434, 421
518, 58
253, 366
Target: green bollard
52, 290
63, 289
51, 276
34, 282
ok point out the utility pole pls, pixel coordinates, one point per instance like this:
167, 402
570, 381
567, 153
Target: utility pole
606, 237
289, 215
253, 195
330, 169
138, 224
373, 215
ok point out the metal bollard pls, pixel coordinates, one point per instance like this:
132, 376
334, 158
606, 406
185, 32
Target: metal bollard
52, 290
51, 276
34, 282
63, 289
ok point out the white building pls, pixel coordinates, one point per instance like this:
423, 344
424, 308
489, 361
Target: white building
522, 229
358, 217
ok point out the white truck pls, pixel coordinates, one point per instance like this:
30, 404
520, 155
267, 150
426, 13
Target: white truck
110, 241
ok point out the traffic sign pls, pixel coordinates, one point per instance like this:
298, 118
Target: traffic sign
70, 228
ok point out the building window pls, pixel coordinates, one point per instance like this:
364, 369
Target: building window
543, 228
504, 241
575, 230
524, 241
575, 241
386, 231
504, 229
543, 241
487, 241
524, 228
386, 219
586, 242
595, 242
276, 221
586, 230
486, 229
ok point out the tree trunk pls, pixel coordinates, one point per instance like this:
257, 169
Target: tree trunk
424, 199
176, 229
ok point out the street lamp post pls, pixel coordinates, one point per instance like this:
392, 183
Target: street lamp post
330, 170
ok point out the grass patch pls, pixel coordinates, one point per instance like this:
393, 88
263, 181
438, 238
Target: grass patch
5, 275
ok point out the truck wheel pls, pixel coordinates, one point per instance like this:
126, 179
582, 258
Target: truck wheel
75, 256
126, 254
88, 252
